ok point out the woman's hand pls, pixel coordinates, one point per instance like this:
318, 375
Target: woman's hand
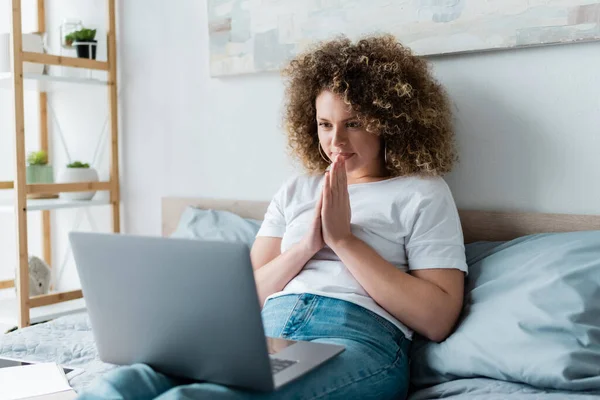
313, 240
335, 212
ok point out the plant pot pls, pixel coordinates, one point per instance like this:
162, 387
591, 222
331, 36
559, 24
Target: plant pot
73, 175
86, 49
39, 174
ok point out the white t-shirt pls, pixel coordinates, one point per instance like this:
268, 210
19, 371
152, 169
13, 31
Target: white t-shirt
412, 222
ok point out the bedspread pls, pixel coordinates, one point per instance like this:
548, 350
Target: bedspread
67, 341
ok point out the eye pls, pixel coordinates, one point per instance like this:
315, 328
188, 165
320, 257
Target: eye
353, 124
325, 124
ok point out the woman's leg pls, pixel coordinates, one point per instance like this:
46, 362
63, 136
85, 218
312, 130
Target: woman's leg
374, 364
357, 373
137, 381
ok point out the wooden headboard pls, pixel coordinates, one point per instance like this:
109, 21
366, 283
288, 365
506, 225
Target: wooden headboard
477, 225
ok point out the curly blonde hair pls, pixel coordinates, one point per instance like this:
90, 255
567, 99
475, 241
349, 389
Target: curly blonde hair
391, 91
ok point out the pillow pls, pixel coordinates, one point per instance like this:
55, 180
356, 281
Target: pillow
196, 223
531, 315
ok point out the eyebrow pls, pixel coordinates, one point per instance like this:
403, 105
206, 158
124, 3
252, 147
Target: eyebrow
347, 119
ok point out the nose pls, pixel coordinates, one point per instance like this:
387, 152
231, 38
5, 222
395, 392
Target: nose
340, 137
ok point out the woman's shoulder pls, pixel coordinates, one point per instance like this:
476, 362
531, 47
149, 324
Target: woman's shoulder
427, 184
302, 181
418, 184
297, 187
419, 189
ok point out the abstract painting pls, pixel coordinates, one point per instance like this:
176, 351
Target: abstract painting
249, 36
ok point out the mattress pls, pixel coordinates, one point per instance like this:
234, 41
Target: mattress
68, 341
491, 389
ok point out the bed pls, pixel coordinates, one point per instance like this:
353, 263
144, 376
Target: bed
69, 341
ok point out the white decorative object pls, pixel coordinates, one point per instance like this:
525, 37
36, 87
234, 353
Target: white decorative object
73, 175
68, 26
32, 42
39, 276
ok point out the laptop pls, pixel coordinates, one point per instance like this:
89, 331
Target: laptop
187, 308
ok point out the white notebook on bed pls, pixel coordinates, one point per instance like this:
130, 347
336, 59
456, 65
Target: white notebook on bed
43, 381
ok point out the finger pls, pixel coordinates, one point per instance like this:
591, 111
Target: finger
329, 173
332, 173
341, 176
347, 197
341, 189
344, 178
335, 180
326, 192
333, 177
319, 204
344, 196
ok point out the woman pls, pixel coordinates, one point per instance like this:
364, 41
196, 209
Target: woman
367, 247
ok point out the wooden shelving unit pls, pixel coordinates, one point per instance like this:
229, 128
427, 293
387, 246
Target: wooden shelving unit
48, 83
40, 308
52, 204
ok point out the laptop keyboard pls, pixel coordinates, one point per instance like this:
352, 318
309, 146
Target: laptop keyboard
278, 364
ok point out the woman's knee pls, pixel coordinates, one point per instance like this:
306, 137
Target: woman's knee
357, 373
136, 373
134, 381
208, 391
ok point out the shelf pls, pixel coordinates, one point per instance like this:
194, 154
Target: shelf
8, 311
48, 83
50, 59
51, 204
55, 188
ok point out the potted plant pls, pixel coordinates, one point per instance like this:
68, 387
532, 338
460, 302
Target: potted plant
69, 39
39, 171
78, 172
84, 42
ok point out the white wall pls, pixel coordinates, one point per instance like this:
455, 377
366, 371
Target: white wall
184, 133
528, 122
528, 127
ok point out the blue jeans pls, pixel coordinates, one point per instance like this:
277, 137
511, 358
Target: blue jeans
374, 364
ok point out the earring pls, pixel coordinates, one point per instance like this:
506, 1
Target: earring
328, 161
385, 153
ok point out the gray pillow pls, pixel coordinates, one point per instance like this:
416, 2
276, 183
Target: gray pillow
531, 315
196, 223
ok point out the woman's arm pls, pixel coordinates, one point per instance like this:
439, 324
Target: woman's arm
428, 301
273, 269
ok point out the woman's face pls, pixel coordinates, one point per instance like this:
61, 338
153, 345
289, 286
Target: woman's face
340, 134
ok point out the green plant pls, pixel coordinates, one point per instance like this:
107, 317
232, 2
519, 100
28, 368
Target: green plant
78, 164
83, 35
70, 38
37, 158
